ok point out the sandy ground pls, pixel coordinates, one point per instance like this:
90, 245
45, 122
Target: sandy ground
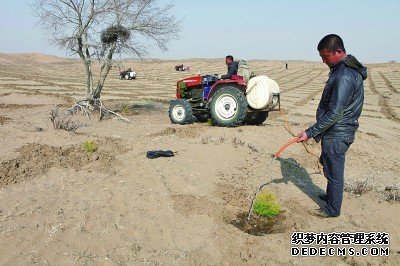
60, 205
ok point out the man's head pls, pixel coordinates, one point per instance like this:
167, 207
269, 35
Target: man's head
228, 59
331, 49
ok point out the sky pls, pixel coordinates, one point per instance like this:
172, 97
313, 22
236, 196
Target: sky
252, 29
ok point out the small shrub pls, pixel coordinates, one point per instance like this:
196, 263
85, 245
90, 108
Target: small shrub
125, 110
266, 205
89, 146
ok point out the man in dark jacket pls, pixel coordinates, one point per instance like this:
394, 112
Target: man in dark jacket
232, 67
337, 118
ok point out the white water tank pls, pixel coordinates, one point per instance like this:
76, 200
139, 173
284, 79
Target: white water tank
262, 92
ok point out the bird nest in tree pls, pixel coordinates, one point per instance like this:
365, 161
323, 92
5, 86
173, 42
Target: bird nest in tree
114, 33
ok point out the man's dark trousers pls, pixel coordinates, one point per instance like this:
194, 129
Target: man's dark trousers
332, 159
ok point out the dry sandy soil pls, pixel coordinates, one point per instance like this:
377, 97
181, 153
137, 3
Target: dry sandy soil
60, 205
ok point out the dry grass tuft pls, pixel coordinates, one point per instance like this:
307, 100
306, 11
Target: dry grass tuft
253, 147
3, 119
358, 187
237, 142
208, 139
61, 122
126, 110
392, 193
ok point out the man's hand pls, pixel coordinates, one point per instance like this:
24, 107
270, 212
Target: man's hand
302, 137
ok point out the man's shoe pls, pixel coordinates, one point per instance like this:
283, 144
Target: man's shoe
320, 213
322, 197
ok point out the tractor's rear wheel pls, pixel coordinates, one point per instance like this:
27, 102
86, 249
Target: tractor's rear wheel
228, 107
255, 118
180, 112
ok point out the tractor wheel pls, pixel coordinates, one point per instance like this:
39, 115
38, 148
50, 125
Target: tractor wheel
126, 76
228, 107
180, 112
255, 118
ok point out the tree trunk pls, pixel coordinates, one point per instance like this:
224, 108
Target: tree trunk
89, 79
88, 67
105, 69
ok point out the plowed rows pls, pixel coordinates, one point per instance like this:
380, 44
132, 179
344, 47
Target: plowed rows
301, 85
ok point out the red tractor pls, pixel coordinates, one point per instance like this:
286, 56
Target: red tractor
126, 74
227, 102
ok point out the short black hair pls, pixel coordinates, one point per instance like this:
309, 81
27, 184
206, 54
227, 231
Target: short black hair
229, 57
331, 42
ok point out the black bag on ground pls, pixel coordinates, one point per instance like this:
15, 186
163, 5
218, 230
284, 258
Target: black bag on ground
159, 153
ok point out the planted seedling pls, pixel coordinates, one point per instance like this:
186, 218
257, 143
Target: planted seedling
267, 217
266, 205
89, 146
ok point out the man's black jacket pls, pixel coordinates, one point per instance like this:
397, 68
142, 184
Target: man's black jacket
232, 70
342, 101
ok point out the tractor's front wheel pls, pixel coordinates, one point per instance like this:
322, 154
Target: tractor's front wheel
180, 112
228, 107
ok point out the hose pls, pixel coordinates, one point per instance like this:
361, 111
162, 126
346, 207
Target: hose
287, 127
294, 140
277, 154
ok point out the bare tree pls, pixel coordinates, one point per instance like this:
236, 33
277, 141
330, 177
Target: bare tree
99, 29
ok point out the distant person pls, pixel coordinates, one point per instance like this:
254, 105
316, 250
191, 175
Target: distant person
232, 67
287, 67
337, 118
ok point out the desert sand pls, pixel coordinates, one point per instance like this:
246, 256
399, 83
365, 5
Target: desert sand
60, 205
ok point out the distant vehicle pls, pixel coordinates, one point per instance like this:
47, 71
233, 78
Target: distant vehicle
127, 74
182, 68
